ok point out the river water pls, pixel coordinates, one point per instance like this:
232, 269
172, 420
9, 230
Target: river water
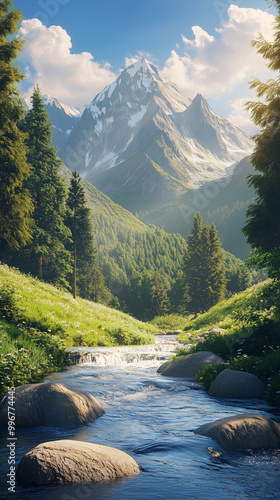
152, 418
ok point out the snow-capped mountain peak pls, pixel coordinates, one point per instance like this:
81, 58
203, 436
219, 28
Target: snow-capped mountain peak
143, 78
68, 110
142, 66
53, 102
143, 135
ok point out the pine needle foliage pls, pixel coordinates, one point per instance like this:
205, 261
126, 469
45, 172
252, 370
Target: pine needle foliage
262, 228
16, 206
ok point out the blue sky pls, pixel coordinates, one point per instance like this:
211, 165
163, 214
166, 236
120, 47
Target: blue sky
75, 48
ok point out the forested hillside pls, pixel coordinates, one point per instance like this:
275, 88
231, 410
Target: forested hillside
223, 202
130, 253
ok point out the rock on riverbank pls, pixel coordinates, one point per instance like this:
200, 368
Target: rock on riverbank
235, 384
51, 404
188, 366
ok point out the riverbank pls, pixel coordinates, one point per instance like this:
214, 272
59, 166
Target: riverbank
38, 321
152, 418
245, 332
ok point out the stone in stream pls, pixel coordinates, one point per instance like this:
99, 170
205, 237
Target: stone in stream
69, 461
243, 432
188, 366
234, 384
51, 404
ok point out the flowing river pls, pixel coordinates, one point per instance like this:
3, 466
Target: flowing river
152, 418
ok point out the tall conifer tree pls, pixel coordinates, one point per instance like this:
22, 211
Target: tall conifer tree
87, 280
15, 203
203, 275
46, 256
262, 227
160, 303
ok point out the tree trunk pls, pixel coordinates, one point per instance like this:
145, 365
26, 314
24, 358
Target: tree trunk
75, 275
40, 267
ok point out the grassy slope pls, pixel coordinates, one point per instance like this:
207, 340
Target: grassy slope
226, 314
77, 322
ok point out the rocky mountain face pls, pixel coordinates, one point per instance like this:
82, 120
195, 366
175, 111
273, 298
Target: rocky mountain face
141, 141
63, 117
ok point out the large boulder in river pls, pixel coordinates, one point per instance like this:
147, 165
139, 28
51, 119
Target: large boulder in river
235, 384
68, 461
243, 432
188, 366
51, 404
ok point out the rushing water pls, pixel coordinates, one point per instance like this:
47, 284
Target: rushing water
152, 418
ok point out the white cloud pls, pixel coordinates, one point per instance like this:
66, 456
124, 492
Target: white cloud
218, 64
201, 38
72, 78
240, 117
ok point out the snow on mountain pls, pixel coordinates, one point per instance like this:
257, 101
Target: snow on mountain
141, 140
62, 116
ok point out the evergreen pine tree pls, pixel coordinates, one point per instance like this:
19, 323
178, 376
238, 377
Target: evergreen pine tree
214, 269
46, 257
87, 279
262, 228
203, 276
159, 291
15, 202
192, 268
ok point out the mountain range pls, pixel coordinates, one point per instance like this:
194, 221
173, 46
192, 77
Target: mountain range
141, 141
157, 153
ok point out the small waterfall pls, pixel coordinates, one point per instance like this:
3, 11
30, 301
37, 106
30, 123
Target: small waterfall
139, 355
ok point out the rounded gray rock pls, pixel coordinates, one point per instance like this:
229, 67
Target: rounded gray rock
235, 384
188, 366
51, 404
69, 461
243, 432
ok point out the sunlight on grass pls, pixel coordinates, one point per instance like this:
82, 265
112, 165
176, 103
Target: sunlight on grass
77, 322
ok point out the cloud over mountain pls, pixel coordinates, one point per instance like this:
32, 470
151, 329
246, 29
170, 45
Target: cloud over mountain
74, 78
218, 64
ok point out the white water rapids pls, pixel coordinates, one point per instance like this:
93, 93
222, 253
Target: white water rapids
128, 356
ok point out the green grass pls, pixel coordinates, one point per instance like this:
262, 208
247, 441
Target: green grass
229, 314
76, 322
170, 322
26, 355
37, 322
